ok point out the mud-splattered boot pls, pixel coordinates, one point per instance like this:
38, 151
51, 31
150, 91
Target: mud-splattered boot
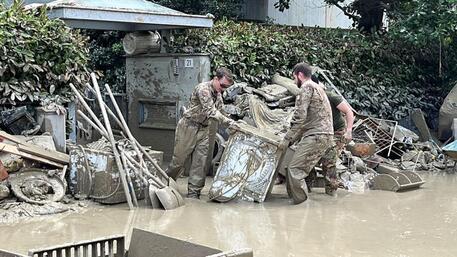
331, 186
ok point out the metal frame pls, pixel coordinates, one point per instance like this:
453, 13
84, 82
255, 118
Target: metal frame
380, 137
113, 246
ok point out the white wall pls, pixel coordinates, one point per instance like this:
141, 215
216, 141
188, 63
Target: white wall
301, 12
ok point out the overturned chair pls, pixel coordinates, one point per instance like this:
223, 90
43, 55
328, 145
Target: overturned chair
142, 244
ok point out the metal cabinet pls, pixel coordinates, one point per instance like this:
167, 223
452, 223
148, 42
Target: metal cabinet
158, 85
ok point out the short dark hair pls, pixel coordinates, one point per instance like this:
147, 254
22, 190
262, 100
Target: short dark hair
224, 72
303, 68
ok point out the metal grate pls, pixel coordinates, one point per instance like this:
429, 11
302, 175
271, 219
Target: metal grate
372, 128
104, 247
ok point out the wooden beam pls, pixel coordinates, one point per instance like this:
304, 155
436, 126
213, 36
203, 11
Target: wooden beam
36, 150
14, 150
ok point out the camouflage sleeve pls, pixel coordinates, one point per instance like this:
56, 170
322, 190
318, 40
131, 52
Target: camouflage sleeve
209, 107
301, 112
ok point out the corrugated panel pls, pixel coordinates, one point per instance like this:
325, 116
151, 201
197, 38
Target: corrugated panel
309, 13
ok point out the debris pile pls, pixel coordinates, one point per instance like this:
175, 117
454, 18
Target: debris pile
132, 170
32, 177
36, 175
382, 155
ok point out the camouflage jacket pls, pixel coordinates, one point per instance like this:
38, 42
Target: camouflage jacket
205, 103
313, 113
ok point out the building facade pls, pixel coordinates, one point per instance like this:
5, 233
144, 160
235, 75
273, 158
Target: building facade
310, 13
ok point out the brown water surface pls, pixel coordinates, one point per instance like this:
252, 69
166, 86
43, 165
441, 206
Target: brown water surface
378, 223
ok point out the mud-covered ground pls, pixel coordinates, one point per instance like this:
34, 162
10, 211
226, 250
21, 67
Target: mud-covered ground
416, 223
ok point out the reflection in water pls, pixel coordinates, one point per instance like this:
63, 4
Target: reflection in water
416, 223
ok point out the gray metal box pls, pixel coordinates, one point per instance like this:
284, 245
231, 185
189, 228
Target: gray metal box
158, 85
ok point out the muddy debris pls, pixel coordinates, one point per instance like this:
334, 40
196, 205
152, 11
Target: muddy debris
378, 145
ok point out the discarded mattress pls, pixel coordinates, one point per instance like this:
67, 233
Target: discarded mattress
248, 166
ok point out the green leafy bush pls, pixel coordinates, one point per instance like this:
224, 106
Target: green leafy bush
378, 74
107, 56
219, 8
39, 57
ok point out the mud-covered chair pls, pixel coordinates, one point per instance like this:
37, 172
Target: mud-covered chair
142, 244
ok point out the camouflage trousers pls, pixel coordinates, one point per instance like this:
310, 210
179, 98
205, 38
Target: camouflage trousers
329, 163
311, 150
191, 140
340, 141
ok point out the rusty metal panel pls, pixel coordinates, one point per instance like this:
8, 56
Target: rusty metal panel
158, 86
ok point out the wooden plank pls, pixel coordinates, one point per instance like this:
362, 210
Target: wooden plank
14, 150
36, 150
53, 156
117, 157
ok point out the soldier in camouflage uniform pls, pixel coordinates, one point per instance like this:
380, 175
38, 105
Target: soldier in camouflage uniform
342, 126
312, 125
342, 130
191, 136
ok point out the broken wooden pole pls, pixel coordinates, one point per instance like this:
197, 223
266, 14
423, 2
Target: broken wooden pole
88, 120
87, 107
129, 180
125, 127
119, 123
111, 113
151, 176
113, 142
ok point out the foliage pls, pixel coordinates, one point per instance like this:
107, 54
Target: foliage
429, 24
39, 57
107, 56
379, 75
220, 8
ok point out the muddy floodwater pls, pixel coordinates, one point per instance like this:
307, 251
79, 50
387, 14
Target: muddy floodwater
378, 223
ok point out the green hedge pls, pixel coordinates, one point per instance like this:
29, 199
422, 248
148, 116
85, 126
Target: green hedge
107, 56
39, 57
378, 74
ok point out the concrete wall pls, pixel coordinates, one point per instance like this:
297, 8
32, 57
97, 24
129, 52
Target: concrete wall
308, 13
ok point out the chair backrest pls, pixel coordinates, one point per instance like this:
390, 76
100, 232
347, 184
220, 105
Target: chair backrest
112, 246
